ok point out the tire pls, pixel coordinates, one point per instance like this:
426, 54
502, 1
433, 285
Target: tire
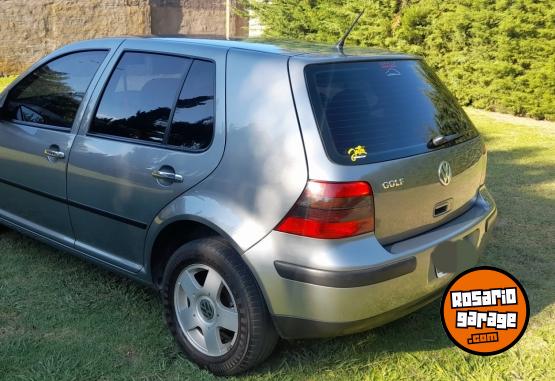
188, 284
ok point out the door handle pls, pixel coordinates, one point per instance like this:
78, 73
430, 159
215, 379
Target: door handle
52, 153
168, 176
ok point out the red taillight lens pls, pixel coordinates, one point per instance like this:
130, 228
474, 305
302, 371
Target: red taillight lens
331, 210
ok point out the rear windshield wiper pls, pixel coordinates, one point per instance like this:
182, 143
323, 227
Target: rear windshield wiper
441, 140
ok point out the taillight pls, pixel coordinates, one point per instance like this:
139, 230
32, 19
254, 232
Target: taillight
331, 210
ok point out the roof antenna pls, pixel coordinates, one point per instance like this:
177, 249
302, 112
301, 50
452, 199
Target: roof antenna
341, 42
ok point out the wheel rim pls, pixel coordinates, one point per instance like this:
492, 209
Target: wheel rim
206, 310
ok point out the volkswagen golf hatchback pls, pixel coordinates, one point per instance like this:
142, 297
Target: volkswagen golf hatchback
266, 190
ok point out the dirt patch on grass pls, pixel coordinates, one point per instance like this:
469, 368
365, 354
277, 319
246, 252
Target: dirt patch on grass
506, 118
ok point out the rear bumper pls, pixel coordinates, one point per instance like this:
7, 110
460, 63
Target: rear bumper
296, 328
318, 288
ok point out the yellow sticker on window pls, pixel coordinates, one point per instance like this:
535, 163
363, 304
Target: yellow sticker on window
358, 152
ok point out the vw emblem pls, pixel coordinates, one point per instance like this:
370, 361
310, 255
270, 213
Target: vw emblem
444, 173
207, 309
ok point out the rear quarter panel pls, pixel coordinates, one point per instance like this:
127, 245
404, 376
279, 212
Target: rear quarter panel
263, 170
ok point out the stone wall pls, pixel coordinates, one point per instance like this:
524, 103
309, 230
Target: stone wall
32, 28
196, 17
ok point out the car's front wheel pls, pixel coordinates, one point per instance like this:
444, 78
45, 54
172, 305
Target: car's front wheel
215, 309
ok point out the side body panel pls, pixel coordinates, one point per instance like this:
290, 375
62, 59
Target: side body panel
263, 170
110, 184
32, 186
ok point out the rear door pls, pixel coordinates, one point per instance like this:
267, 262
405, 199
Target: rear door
156, 130
38, 125
378, 121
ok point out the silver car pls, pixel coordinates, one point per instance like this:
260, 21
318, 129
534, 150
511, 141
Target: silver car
267, 190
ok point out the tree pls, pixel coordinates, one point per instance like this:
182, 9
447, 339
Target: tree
492, 54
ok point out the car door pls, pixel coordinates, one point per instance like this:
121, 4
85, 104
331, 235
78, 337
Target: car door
156, 130
37, 128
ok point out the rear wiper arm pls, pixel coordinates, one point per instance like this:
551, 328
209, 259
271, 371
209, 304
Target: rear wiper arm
441, 140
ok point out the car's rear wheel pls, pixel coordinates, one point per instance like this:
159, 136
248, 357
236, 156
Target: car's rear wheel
215, 309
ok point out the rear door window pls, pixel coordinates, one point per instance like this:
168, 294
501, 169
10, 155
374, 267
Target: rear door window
376, 111
140, 96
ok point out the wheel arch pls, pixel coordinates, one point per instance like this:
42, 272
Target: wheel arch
173, 234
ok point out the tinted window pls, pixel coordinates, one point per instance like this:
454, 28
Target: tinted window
52, 94
193, 120
390, 108
140, 95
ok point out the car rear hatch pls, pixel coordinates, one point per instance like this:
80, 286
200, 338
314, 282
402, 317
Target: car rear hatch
394, 124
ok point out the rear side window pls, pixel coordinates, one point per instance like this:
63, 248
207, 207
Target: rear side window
193, 121
140, 96
369, 112
52, 94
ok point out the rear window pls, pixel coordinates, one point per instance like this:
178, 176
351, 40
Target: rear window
369, 112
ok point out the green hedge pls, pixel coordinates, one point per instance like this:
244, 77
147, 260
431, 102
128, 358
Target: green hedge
496, 55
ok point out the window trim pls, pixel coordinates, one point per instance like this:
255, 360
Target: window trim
164, 144
81, 105
175, 100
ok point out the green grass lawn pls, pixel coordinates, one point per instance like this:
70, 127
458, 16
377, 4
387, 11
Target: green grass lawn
64, 319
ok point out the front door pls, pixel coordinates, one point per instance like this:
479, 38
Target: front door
152, 135
36, 134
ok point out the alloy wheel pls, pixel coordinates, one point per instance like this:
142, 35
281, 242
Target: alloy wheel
206, 310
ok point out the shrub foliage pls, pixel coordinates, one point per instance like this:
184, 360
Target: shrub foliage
493, 54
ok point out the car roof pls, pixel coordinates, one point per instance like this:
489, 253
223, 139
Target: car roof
282, 47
